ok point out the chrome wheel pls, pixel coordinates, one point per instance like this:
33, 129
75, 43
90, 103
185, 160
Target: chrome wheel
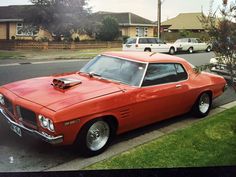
97, 135
172, 51
190, 50
204, 103
208, 49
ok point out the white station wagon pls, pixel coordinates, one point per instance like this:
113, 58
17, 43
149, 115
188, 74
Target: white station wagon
148, 44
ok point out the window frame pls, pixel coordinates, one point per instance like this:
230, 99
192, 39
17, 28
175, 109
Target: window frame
23, 34
19, 25
141, 85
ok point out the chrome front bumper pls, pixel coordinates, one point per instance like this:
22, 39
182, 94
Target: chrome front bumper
45, 137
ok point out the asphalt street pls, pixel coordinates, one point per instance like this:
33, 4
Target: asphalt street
29, 154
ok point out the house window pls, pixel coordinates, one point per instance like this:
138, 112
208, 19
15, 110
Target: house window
25, 30
19, 29
146, 32
141, 32
137, 32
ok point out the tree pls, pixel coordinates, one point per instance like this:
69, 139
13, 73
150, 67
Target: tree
59, 17
109, 29
223, 33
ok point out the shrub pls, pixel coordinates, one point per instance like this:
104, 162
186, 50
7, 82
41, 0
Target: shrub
109, 29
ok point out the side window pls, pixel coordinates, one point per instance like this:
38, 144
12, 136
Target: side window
143, 41
152, 41
160, 74
181, 73
163, 73
159, 41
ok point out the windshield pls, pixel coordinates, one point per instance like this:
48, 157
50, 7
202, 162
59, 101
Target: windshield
121, 70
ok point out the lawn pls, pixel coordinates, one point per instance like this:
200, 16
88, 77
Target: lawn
53, 54
210, 142
5, 54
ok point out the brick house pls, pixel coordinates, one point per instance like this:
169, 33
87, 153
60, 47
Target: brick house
12, 25
130, 24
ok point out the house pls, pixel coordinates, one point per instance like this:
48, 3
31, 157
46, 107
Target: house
12, 25
184, 21
130, 24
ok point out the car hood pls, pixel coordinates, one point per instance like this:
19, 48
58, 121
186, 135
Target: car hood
42, 92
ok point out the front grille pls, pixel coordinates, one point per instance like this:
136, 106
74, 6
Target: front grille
27, 115
9, 105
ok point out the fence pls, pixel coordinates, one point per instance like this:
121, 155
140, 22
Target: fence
10, 45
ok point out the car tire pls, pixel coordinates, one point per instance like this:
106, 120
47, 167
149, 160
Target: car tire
190, 50
172, 51
94, 137
202, 106
208, 49
147, 50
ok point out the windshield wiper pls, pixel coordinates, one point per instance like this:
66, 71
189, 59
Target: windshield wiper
92, 74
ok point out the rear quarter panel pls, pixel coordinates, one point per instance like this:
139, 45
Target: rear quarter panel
202, 82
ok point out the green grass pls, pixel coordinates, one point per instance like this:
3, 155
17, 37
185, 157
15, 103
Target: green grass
5, 54
210, 142
53, 54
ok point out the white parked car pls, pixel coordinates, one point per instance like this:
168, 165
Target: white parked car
191, 45
148, 44
220, 67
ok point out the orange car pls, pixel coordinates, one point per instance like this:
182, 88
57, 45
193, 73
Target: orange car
112, 94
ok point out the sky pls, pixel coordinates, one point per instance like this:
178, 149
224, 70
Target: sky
144, 8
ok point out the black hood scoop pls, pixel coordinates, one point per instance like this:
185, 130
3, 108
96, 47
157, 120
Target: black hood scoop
65, 83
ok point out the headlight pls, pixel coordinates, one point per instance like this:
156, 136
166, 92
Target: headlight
51, 126
2, 102
46, 123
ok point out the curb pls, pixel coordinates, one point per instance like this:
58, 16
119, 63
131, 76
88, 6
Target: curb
124, 145
44, 62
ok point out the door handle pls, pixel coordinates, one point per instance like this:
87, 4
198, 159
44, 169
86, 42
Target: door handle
178, 86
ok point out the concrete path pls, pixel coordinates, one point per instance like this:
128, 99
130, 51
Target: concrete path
123, 145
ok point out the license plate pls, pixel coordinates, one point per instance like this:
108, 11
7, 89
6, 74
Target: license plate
17, 130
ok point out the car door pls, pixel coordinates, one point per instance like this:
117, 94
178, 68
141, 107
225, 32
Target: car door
196, 45
162, 94
154, 44
143, 44
201, 45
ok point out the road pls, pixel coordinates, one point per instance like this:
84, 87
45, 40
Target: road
28, 154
